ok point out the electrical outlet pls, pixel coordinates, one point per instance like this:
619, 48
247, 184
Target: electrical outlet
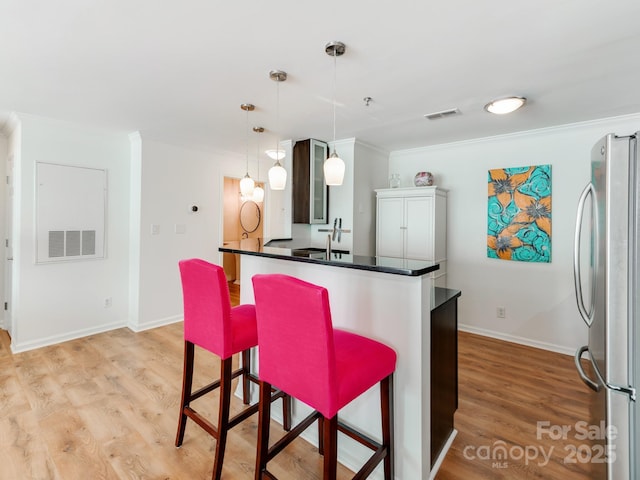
107, 302
500, 312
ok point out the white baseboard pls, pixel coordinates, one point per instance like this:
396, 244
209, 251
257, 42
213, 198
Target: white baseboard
520, 340
155, 323
52, 340
443, 453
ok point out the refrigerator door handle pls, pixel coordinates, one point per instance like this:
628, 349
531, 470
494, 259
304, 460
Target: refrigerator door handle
590, 383
624, 390
587, 315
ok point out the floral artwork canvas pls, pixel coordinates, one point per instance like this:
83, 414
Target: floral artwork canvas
519, 214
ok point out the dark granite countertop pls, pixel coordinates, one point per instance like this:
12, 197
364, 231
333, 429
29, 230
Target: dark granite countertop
396, 266
443, 295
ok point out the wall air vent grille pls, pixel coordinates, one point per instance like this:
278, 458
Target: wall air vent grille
442, 114
71, 243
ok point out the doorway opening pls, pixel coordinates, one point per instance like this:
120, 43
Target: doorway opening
243, 219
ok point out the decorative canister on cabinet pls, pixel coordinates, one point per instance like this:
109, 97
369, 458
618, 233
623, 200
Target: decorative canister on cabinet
423, 179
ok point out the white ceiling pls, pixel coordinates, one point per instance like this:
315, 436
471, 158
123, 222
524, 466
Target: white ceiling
178, 71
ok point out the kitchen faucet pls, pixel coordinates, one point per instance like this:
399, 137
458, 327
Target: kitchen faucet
335, 233
328, 246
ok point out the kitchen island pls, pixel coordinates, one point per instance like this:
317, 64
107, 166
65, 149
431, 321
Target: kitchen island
387, 299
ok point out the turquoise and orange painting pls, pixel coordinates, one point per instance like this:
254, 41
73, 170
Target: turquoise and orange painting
519, 214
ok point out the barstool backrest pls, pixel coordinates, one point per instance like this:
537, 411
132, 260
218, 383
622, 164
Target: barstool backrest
207, 306
295, 339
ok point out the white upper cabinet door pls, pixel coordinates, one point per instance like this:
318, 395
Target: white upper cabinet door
412, 224
390, 241
419, 228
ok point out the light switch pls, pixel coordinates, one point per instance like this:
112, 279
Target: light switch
155, 229
180, 228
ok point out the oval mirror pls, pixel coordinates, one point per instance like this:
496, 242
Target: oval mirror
249, 216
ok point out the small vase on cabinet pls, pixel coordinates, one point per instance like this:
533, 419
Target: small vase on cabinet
394, 180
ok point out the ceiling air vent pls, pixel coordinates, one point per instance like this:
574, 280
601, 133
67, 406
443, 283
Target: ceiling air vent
442, 114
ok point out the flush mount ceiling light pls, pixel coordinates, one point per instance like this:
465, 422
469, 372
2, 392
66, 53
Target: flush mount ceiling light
258, 191
334, 165
277, 173
505, 105
247, 184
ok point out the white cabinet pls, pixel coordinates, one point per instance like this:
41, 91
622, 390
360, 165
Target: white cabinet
411, 223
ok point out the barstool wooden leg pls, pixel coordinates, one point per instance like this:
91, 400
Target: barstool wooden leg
223, 416
321, 435
187, 382
330, 448
246, 370
386, 407
286, 412
264, 417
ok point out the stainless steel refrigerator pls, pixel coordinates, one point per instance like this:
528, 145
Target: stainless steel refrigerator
607, 282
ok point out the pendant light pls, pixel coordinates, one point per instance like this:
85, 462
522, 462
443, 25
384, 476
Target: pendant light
258, 191
247, 184
334, 165
277, 173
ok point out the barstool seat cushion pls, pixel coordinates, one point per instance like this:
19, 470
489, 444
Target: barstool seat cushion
244, 330
360, 363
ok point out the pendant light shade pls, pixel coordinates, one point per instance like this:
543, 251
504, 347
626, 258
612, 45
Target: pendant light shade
247, 184
258, 194
333, 170
277, 177
334, 166
277, 173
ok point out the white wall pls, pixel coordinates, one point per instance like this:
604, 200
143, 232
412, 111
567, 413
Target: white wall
370, 174
277, 205
58, 301
4, 152
149, 183
154, 183
354, 200
13, 129
172, 179
539, 298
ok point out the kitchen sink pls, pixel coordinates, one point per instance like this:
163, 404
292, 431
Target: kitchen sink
313, 252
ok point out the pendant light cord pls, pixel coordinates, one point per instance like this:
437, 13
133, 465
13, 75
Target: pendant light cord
277, 122
258, 155
335, 76
247, 142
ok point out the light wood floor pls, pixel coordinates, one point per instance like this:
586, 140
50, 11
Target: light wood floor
105, 407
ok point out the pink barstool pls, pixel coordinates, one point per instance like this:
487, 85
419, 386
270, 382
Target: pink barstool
326, 368
211, 323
